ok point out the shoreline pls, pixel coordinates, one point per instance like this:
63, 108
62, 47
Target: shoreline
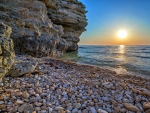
130, 73
58, 86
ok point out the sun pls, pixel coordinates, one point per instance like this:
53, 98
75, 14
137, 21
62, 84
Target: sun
122, 34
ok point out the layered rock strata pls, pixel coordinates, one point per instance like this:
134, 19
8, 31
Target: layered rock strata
33, 31
71, 15
6, 49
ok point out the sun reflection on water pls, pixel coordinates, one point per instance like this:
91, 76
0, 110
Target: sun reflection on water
121, 60
121, 49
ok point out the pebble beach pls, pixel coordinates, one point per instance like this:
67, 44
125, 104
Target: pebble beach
58, 86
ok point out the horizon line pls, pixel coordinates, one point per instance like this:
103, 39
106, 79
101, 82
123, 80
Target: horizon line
116, 44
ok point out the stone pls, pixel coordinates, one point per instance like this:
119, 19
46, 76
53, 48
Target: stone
7, 53
22, 108
75, 110
85, 111
58, 108
146, 105
1, 102
131, 107
107, 84
147, 111
29, 108
25, 95
19, 101
77, 105
93, 110
101, 111
22, 67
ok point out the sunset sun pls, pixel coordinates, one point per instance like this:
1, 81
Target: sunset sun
122, 34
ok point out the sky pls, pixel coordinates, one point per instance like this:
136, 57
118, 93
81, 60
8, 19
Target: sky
107, 17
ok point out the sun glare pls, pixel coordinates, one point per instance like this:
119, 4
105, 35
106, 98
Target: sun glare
122, 34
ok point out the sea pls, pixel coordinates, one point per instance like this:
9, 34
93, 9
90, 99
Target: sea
123, 59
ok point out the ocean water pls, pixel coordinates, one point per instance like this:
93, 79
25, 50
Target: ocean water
123, 59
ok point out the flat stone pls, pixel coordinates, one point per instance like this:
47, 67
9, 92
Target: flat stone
29, 108
101, 111
85, 111
75, 110
93, 110
146, 105
1, 102
20, 102
107, 84
22, 107
131, 107
58, 108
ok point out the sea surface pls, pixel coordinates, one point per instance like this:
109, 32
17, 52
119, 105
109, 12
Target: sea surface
134, 60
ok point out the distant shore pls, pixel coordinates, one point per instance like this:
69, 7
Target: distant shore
58, 86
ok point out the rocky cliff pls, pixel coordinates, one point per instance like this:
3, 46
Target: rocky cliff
44, 27
6, 49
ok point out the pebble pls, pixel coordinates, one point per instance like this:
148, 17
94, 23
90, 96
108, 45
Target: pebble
58, 108
1, 102
75, 110
25, 95
20, 102
131, 107
70, 90
102, 111
93, 110
22, 107
77, 105
146, 105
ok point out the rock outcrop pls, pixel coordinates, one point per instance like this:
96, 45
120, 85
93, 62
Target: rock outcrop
32, 31
6, 49
71, 15
44, 27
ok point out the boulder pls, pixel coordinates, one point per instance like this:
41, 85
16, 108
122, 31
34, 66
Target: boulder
22, 67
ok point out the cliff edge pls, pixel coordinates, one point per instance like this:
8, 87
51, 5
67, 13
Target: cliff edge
44, 27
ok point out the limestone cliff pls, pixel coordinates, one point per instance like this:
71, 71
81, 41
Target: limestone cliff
71, 15
6, 49
44, 27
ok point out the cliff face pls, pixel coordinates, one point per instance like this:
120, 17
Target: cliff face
6, 49
45, 27
71, 15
